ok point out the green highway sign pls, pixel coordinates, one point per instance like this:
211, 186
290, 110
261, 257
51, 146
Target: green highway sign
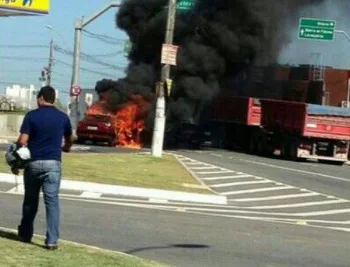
316, 29
185, 4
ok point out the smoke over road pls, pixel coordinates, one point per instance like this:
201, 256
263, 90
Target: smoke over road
217, 38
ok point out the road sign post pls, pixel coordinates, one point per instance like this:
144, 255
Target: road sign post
316, 29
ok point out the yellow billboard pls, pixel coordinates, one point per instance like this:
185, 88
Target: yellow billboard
26, 6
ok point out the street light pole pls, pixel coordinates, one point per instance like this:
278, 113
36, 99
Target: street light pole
160, 118
79, 26
348, 89
76, 72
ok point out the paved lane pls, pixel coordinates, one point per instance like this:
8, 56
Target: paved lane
185, 239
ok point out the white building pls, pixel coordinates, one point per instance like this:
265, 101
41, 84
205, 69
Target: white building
24, 97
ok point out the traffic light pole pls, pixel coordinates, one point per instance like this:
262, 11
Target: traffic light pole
160, 118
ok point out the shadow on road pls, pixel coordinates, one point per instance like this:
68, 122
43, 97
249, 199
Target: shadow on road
186, 246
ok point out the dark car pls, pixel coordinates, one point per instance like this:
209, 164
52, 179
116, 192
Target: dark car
97, 129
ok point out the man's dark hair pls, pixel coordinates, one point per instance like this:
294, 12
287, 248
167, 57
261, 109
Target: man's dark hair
48, 93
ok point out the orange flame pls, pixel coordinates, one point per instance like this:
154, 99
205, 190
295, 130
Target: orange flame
129, 121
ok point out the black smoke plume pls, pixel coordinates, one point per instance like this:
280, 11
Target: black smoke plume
217, 39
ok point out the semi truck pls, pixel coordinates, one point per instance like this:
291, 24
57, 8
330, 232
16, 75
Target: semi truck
293, 130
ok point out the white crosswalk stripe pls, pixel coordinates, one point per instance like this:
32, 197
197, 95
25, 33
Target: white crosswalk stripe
275, 197
254, 197
239, 183
240, 192
227, 177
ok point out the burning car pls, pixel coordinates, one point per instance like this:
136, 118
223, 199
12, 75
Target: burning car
97, 128
123, 126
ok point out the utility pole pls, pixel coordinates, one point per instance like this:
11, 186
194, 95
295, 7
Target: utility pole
46, 73
160, 118
80, 24
50, 66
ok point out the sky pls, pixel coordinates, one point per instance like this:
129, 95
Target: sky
24, 46
331, 53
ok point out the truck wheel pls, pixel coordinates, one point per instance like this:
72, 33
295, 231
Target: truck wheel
285, 150
252, 147
293, 151
259, 148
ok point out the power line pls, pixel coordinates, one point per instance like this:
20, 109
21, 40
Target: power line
104, 38
109, 54
85, 69
19, 71
23, 46
31, 59
88, 58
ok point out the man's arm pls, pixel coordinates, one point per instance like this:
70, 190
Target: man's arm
68, 143
23, 139
68, 137
25, 131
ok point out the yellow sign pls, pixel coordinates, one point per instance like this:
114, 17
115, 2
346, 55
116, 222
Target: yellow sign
26, 6
169, 85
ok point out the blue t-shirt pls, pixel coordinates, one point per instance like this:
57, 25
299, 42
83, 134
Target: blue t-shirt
46, 127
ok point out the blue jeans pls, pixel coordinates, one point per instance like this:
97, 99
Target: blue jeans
45, 174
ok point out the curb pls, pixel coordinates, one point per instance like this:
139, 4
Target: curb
127, 191
193, 174
7, 139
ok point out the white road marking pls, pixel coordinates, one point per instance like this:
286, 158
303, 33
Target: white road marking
257, 190
204, 168
305, 204
240, 183
216, 172
217, 155
90, 195
300, 214
274, 197
272, 220
17, 190
296, 170
227, 177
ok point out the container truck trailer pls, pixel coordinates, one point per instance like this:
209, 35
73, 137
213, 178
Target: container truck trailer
290, 129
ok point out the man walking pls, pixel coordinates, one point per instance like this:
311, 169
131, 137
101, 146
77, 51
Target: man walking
43, 131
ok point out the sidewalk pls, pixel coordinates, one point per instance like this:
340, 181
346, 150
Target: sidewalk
125, 191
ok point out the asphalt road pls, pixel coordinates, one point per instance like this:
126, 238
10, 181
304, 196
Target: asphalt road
262, 225
186, 239
324, 178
